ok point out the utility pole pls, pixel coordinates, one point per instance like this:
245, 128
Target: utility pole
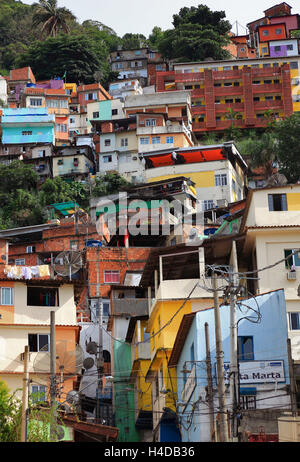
292, 379
220, 364
234, 366
52, 374
100, 362
25, 396
209, 382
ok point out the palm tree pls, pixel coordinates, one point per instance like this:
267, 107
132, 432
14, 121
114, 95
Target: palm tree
51, 18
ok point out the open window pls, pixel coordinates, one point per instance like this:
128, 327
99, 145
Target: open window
42, 296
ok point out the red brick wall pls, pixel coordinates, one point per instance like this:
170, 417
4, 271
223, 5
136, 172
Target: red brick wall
112, 258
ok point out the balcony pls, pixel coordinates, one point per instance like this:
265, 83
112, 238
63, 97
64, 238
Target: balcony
267, 88
162, 130
132, 306
265, 105
189, 77
180, 289
226, 106
226, 91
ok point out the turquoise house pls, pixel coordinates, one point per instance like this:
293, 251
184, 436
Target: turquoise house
27, 125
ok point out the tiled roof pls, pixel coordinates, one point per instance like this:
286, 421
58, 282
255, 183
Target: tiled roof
24, 73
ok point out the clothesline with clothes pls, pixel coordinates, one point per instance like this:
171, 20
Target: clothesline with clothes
26, 272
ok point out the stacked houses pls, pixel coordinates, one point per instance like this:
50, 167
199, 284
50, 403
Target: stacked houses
138, 282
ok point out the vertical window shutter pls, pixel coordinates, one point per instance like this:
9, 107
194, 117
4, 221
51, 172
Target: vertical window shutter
283, 202
271, 204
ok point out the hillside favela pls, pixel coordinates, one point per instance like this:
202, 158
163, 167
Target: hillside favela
149, 228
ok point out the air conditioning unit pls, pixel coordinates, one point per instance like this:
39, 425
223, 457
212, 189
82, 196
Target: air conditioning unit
291, 275
222, 203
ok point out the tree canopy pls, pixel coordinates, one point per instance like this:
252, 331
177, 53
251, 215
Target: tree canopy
198, 34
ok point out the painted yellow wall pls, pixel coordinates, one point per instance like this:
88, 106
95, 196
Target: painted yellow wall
201, 179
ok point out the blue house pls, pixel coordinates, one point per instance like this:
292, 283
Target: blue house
263, 362
27, 126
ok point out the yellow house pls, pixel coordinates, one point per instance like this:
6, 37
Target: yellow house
272, 224
177, 285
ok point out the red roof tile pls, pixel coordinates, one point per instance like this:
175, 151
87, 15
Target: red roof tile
24, 73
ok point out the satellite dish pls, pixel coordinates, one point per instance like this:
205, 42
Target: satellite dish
73, 397
68, 263
69, 362
88, 363
92, 348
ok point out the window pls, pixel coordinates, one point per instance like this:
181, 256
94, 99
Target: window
221, 179
278, 31
57, 103
36, 101
296, 98
114, 111
62, 128
150, 122
95, 115
277, 202
192, 352
277, 48
269, 98
20, 261
275, 64
265, 49
294, 319
155, 139
256, 82
90, 96
105, 307
247, 401
124, 142
226, 68
42, 296
208, 204
228, 101
267, 65
26, 133
6, 296
265, 33
294, 65
236, 84
38, 393
169, 140
292, 258
245, 348
278, 98
74, 245
267, 82
107, 142
30, 249
144, 140
112, 277
217, 85
290, 47
107, 159
38, 342
227, 84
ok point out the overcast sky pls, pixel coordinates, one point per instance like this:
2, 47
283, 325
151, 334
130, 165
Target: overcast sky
140, 16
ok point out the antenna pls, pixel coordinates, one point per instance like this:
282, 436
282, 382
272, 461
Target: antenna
68, 263
69, 362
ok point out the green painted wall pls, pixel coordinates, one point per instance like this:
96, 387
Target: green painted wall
123, 396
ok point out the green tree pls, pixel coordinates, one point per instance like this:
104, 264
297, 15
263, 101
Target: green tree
133, 41
51, 18
198, 34
155, 37
233, 131
287, 133
80, 55
110, 183
261, 152
10, 415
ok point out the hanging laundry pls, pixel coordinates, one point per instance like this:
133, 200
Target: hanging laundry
35, 271
44, 270
26, 272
